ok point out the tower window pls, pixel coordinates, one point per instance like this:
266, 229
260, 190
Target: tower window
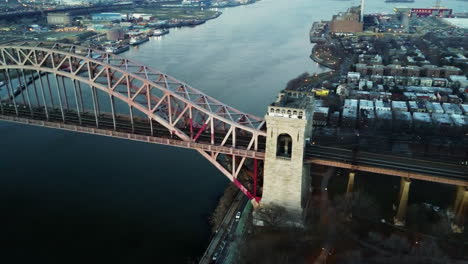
284, 146
300, 115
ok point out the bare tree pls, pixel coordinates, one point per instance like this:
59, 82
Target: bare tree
296, 82
424, 219
352, 257
357, 204
272, 216
223, 206
398, 244
269, 246
427, 251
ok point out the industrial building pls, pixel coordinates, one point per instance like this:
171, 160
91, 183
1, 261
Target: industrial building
348, 22
106, 16
425, 12
59, 18
115, 34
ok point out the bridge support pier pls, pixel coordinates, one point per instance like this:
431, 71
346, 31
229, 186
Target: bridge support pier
399, 219
460, 209
286, 178
350, 187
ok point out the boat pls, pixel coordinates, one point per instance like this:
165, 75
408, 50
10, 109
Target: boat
137, 40
192, 22
157, 24
117, 49
174, 23
196, 22
160, 32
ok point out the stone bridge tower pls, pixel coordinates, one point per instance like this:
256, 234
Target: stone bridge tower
286, 177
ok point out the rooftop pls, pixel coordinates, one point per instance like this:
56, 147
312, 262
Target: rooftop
285, 100
423, 117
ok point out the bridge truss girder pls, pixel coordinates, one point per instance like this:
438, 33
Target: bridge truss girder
186, 113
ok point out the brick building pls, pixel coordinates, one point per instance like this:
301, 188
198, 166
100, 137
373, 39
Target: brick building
348, 22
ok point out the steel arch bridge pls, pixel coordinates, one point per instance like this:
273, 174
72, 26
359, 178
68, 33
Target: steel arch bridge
85, 90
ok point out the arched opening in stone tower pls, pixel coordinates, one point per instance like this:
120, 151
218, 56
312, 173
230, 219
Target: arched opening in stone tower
284, 146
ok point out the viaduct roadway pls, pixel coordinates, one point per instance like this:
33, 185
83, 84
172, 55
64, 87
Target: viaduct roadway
428, 170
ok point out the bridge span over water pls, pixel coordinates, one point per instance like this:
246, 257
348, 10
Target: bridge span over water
80, 89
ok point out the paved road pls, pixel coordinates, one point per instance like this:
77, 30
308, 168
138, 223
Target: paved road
219, 242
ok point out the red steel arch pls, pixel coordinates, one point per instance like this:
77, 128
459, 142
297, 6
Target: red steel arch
162, 98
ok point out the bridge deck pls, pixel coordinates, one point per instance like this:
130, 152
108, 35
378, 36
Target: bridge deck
139, 131
428, 170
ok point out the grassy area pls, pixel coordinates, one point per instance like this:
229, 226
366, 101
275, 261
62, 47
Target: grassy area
167, 13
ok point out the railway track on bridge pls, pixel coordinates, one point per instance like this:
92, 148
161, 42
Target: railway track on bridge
445, 171
105, 121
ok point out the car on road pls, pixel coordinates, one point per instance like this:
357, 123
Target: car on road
238, 215
215, 256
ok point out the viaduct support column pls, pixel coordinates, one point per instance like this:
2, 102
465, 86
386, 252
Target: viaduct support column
458, 198
460, 209
350, 187
399, 219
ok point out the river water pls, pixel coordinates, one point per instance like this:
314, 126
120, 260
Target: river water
67, 197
